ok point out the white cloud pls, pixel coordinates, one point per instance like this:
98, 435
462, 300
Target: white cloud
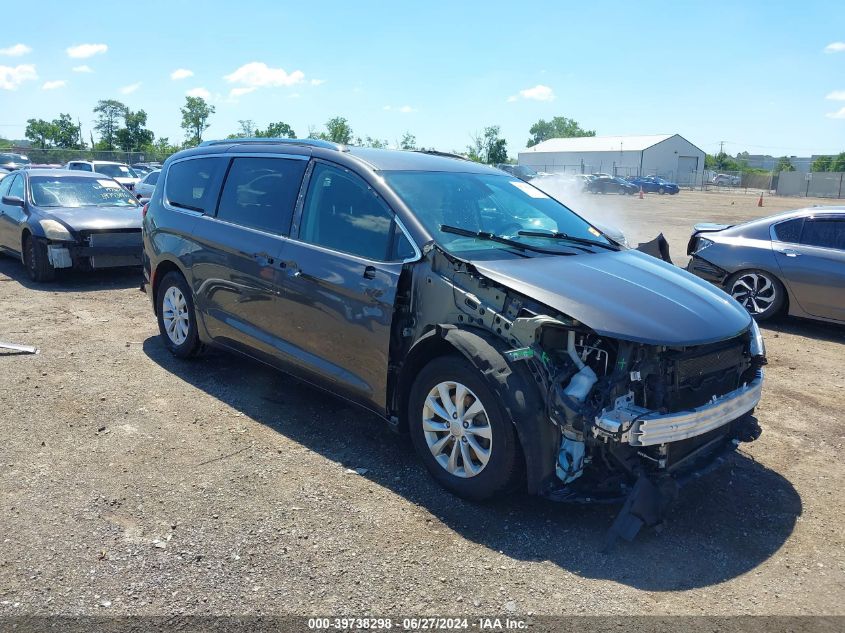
52, 85
202, 93
839, 114
836, 95
17, 50
13, 76
82, 69
128, 90
406, 109
259, 74
835, 47
86, 50
317, 82
537, 93
181, 73
239, 92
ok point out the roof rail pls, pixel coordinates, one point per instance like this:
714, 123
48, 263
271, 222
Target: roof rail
435, 152
308, 142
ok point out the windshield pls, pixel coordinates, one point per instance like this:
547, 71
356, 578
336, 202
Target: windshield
498, 204
76, 191
115, 171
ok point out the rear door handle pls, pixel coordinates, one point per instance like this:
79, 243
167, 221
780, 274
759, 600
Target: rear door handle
370, 272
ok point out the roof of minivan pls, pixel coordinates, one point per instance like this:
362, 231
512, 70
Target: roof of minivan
406, 160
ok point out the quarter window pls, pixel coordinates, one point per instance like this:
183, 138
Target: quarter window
260, 193
192, 184
343, 213
824, 233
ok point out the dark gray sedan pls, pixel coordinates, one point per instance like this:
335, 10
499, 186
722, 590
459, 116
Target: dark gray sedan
792, 262
68, 219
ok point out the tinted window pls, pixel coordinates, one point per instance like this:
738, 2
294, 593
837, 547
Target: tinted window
192, 184
789, 231
261, 192
115, 171
342, 213
81, 167
5, 181
152, 178
824, 233
16, 189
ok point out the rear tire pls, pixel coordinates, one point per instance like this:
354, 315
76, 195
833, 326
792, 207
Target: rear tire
177, 321
36, 260
661, 191
470, 447
758, 291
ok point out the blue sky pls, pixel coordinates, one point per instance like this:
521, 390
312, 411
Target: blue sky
765, 77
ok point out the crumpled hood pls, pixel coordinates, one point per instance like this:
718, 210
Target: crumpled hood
626, 295
95, 218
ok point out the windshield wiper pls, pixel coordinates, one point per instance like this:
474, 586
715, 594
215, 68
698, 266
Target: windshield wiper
492, 237
556, 235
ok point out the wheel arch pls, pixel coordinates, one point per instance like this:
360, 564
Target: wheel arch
163, 267
513, 383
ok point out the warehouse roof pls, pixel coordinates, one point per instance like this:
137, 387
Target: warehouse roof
599, 143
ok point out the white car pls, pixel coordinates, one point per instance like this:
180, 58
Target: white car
121, 172
145, 188
726, 180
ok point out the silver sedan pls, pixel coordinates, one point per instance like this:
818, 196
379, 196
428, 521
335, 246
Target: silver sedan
793, 262
145, 188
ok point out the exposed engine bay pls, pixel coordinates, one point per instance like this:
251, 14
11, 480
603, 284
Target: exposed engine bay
634, 419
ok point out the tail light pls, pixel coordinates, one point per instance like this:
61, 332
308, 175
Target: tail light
144, 210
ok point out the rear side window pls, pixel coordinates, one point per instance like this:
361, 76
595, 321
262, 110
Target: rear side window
789, 231
152, 178
81, 167
260, 193
824, 233
344, 214
192, 184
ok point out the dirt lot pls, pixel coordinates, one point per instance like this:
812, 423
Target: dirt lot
134, 483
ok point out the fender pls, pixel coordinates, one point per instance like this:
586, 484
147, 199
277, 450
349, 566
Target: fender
519, 393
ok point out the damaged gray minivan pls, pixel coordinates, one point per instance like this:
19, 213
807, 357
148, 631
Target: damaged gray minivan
518, 345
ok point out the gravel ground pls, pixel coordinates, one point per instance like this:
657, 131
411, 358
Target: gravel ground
134, 483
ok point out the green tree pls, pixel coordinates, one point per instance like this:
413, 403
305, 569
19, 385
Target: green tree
369, 141
488, 147
409, 141
784, 164
66, 133
822, 163
134, 135
558, 127
40, 132
337, 131
195, 115
109, 114
838, 163
277, 130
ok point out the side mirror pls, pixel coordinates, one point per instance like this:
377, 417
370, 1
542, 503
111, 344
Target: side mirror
13, 201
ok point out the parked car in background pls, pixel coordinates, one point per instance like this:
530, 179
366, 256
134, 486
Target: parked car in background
611, 184
55, 219
726, 180
12, 161
42, 166
410, 284
793, 262
121, 172
654, 184
145, 188
141, 169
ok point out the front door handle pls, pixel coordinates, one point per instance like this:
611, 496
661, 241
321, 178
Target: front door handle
370, 272
264, 259
789, 252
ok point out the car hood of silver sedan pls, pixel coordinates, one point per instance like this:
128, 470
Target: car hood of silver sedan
96, 218
626, 295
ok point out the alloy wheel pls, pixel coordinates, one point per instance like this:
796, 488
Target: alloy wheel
755, 292
175, 315
457, 429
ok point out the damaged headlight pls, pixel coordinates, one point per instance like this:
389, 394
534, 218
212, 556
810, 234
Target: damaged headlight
54, 230
758, 347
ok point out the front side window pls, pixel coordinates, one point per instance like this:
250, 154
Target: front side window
78, 191
192, 184
342, 213
5, 183
825, 233
260, 193
487, 203
16, 188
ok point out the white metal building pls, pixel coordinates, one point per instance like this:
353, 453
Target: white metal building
670, 156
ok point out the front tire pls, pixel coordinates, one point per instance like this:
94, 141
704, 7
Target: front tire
461, 431
177, 321
661, 190
759, 292
36, 260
